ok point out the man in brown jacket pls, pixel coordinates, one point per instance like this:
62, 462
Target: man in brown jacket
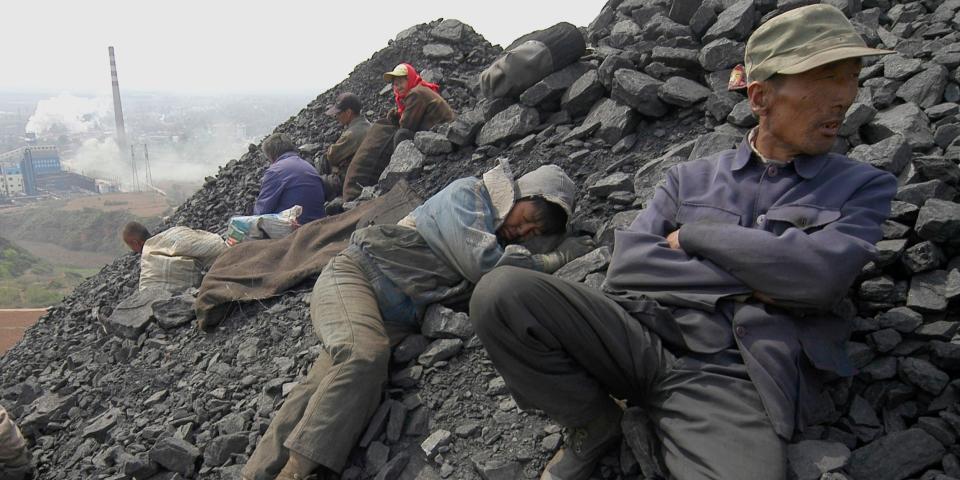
419, 104
347, 112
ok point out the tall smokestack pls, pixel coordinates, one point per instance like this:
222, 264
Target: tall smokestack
117, 108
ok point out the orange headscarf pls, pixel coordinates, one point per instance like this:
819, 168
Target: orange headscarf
413, 80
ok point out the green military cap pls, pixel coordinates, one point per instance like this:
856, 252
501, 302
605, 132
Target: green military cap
803, 39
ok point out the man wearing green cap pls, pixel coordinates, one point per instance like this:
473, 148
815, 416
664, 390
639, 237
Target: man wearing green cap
716, 316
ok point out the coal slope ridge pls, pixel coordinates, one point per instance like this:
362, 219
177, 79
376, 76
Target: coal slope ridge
177, 403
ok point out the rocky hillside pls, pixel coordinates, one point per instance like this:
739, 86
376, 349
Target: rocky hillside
172, 402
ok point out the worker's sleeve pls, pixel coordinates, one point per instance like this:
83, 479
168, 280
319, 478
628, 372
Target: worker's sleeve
271, 187
798, 268
643, 261
340, 153
458, 225
415, 107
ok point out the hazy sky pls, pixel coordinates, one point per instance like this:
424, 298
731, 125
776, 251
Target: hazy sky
201, 46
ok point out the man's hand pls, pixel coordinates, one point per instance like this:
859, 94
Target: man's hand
674, 240
763, 297
569, 249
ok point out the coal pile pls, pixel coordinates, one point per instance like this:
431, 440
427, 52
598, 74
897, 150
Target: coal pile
172, 402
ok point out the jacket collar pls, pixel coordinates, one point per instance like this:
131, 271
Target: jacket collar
807, 166
286, 155
502, 189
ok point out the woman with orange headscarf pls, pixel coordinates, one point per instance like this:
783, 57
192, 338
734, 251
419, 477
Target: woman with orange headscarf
419, 104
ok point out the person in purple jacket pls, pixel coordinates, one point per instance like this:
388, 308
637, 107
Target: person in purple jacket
288, 181
716, 315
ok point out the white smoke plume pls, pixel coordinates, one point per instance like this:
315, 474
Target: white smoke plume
67, 114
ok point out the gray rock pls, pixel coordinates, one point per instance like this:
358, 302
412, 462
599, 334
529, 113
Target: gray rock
513, 123
681, 11
131, 317
578, 269
906, 120
614, 182
902, 319
619, 221
438, 51
99, 426
432, 143
809, 459
939, 330
721, 104
923, 374
639, 91
721, 54
439, 350
877, 289
889, 251
394, 468
939, 429
735, 22
611, 119
406, 163
609, 66
942, 110
449, 29
742, 115
682, 92
703, 18
491, 107
552, 86
928, 291
944, 135
925, 88
895, 456
683, 58
880, 92
714, 142
442, 322
497, 469
899, 67
582, 94
437, 439
883, 368
174, 312
920, 193
858, 115
939, 221
884, 340
409, 348
138, 466
933, 167
176, 454
891, 154
464, 129
221, 448
407, 377
923, 256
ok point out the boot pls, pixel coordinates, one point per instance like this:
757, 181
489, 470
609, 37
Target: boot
298, 467
584, 446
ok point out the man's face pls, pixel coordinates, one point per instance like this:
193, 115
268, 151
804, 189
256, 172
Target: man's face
521, 223
344, 117
134, 243
801, 114
399, 84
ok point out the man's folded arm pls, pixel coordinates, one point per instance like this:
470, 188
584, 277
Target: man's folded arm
813, 270
644, 262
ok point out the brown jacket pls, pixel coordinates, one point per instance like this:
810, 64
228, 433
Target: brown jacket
340, 153
423, 109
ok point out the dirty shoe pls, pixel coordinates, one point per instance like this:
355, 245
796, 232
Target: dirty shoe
583, 447
298, 467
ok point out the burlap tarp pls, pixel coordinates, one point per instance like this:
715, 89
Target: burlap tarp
265, 268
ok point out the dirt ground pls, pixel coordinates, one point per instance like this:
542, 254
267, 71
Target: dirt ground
144, 204
14, 322
61, 256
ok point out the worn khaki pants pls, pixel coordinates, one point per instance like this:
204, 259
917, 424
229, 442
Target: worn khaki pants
12, 444
563, 347
323, 417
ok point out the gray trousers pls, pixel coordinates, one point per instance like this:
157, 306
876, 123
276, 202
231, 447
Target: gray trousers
563, 347
323, 417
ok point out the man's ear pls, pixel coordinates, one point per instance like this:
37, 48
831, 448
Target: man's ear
760, 95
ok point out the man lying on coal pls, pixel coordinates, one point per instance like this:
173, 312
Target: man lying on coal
716, 313
375, 292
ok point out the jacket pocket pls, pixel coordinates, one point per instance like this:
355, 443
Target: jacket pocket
700, 213
804, 217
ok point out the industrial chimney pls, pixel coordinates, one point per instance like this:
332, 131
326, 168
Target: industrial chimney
117, 108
